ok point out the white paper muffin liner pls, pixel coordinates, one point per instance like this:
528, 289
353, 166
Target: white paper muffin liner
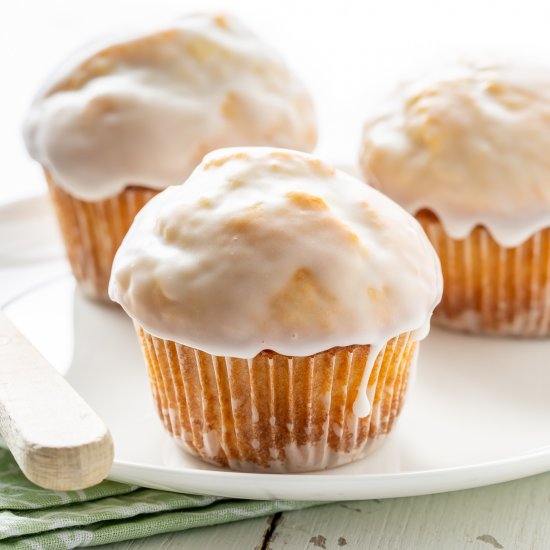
275, 413
93, 231
489, 288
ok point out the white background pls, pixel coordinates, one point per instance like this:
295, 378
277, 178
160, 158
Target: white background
347, 52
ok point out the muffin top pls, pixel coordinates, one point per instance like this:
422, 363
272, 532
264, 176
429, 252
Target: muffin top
272, 249
144, 110
470, 143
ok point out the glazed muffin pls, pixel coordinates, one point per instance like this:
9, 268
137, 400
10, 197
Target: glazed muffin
131, 116
279, 304
466, 151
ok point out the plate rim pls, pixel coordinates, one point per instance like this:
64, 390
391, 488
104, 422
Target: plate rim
532, 462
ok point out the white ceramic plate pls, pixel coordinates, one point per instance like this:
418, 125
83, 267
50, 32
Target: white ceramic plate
479, 412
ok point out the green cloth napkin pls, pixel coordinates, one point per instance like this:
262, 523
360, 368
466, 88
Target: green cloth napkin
38, 519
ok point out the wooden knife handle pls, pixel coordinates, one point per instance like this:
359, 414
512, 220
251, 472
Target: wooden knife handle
56, 438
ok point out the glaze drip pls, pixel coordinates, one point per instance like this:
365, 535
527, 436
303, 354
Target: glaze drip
362, 406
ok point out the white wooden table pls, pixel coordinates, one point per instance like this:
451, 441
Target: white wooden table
510, 516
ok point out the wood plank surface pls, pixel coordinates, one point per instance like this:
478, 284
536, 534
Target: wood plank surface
230, 536
508, 516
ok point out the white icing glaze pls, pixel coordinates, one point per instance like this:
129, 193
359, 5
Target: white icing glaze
265, 248
144, 109
471, 144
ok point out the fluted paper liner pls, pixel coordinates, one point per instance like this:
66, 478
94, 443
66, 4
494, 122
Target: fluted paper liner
93, 231
276, 413
489, 288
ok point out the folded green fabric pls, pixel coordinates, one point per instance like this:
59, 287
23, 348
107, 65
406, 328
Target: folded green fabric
31, 517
